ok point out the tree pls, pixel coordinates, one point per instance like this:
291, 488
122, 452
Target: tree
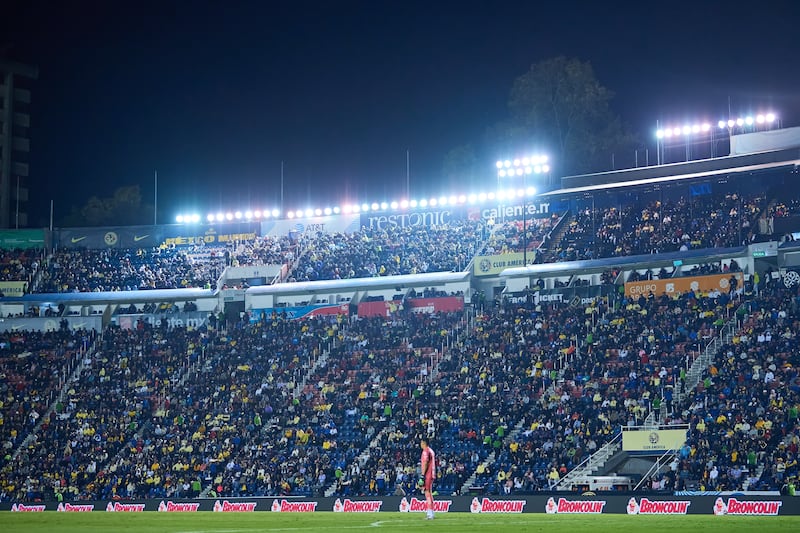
559, 107
123, 208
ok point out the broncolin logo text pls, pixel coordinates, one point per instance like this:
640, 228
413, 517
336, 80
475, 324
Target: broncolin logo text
178, 507
645, 506
117, 507
574, 506
420, 506
487, 505
747, 508
350, 506
293, 507
234, 507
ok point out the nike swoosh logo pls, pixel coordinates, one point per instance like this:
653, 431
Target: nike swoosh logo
77, 239
137, 238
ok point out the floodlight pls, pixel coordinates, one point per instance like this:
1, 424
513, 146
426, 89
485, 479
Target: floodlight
275, 213
526, 161
731, 123
721, 124
696, 128
472, 198
545, 168
706, 126
499, 164
356, 208
501, 194
491, 196
482, 197
220, 217
195, 218
238, 215
229, 216
530, 191
520, 192
384, 206
760, 119
248, 214
687, 130
676, 131
309, 212
520, 172
179, 219
290, 214
210, 217
318, 212
423, 203
739, 121
770, 117
442, 200
528, 170
265, 213
257, 213
501, 173
413, 203
453, 200
432, 202
517, 162
748, 121
346, 208
507, 163
403, 204
375, 206
544, 159
336, 210
537, 169
394, 204
365, 207
328, 211
659, 134
668, 133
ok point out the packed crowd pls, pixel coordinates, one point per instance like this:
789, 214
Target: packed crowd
519, 397
714, 221
744, 414
391, 251
79, 270
19, 265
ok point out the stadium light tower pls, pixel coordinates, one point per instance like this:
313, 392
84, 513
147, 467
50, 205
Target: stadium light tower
522, 168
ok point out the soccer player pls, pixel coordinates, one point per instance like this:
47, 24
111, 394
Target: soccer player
427, 460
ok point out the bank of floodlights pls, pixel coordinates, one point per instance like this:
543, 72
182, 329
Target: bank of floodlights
749, 121
686, 130
536, 164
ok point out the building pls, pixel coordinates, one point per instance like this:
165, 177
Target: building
15, 100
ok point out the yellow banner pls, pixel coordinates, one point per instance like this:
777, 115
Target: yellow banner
652, 440
721, 282
13, 288
492, 265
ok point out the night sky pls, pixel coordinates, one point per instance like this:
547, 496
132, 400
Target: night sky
214, 95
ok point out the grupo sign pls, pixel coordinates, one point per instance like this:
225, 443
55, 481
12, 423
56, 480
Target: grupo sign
670, 286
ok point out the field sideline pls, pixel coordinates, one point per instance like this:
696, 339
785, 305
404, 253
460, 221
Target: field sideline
208, 522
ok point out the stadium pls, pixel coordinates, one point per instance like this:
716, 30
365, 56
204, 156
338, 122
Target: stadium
624, 343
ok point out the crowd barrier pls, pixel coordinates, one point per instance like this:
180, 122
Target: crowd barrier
550, 504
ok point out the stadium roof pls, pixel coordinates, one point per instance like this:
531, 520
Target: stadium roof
678, 172
383, 282
154, 295
643, 261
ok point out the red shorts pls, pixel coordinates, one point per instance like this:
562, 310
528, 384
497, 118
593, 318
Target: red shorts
428, 486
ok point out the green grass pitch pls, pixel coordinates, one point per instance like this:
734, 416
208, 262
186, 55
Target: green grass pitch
325, 522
